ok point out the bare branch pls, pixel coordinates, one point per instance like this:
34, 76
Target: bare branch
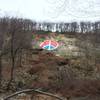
34, 90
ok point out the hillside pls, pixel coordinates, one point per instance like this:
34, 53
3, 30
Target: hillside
71, 71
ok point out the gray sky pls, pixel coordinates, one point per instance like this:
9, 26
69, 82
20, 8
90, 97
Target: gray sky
52, 10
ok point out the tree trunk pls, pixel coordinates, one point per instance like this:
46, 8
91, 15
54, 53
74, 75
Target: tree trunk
0, 71
13, 60
20, 59
12, 69
12, 73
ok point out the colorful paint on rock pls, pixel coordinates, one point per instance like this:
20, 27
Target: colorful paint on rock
49, 45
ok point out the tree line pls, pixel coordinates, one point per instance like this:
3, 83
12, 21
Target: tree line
29, 25
82, 27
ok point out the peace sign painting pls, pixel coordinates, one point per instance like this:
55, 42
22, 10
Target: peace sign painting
49, 45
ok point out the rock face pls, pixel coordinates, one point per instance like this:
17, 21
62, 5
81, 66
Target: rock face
66, 47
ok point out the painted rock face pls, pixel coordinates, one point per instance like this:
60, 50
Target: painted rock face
49, 45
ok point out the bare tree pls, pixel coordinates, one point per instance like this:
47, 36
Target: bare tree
1, 44
3, 48
19, 39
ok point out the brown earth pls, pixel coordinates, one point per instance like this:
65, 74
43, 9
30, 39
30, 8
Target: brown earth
46, 66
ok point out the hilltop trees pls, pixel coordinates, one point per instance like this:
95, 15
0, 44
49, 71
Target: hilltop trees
82, 27
74, 27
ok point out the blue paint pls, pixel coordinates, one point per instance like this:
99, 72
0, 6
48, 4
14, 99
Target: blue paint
49, 47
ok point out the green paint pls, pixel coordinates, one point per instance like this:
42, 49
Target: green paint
33, 37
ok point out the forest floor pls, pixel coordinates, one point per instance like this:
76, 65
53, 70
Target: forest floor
41, 73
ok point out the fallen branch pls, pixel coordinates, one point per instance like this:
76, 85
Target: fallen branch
34, 90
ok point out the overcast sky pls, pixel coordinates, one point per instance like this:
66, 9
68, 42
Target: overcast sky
52, 10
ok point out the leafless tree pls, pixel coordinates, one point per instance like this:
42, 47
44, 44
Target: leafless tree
19, 39
3, 48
